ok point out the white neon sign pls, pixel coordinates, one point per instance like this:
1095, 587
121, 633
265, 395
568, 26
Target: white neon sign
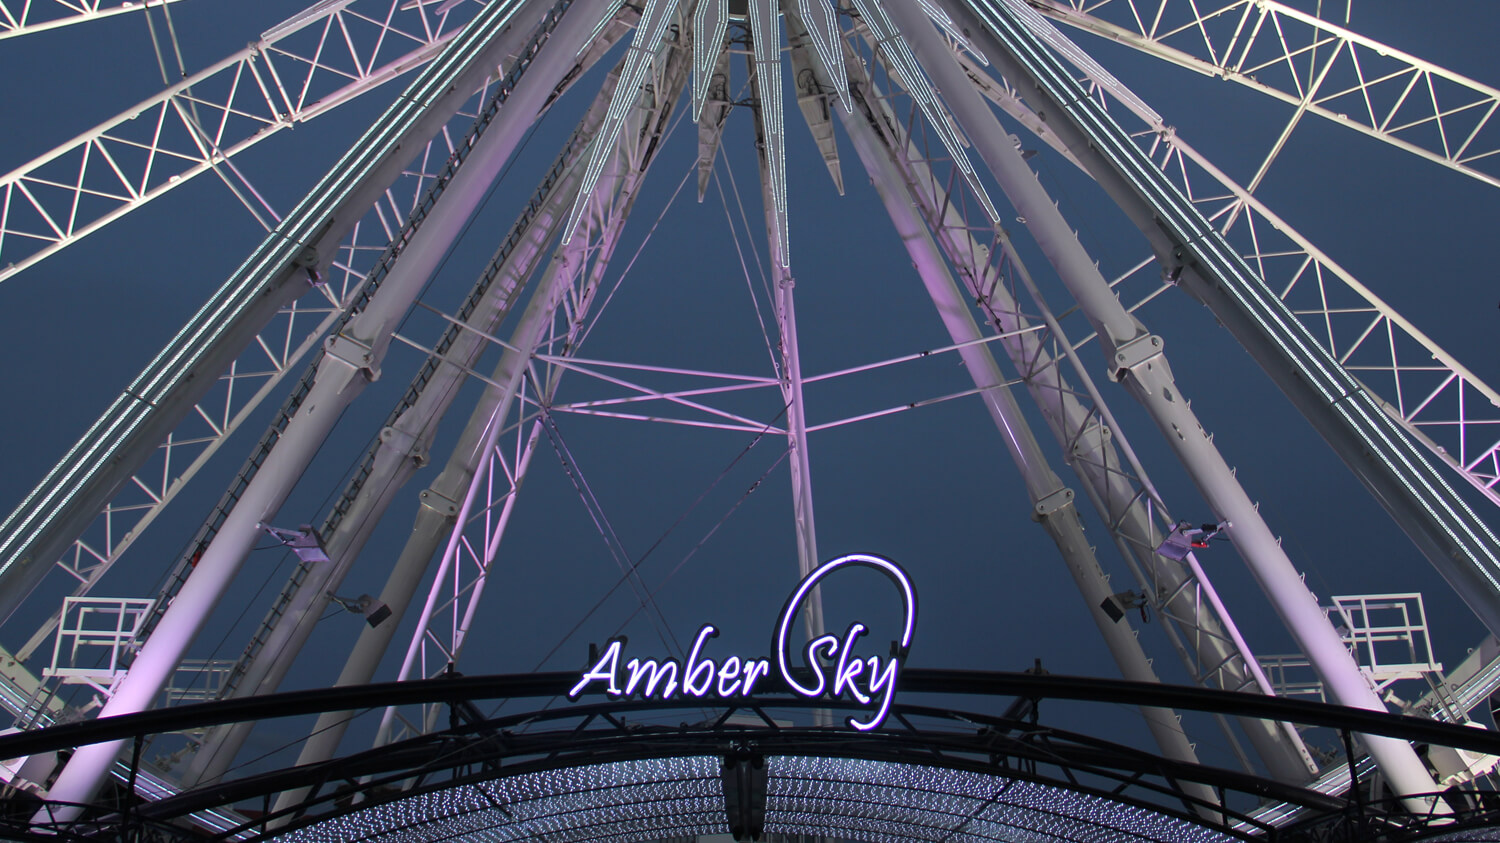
835, 670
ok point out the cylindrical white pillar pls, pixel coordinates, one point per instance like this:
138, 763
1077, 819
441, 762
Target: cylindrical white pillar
352, 359
1137, 360
1053, 503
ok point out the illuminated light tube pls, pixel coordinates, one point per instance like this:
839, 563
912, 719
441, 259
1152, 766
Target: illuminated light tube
648, 36
706, 49
910, 73
765, 31
868, 680
823, 30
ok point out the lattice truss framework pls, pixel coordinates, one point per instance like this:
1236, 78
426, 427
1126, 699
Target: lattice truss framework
303, 67
254, 377
1322, 68
531, 370
344, 49
19, 17
315, 62
1292, 56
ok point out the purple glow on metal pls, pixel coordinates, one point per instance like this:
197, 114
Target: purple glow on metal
866, 680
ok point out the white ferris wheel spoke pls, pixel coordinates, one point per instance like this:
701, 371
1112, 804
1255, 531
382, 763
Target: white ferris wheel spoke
1416, 493
1363, 334
574, 275
304, 67
1319, 67
274, 353
1450, 410
1202, 633
23, 17
342, 264
255, 377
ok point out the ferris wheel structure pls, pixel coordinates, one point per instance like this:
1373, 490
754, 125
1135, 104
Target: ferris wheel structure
340, 355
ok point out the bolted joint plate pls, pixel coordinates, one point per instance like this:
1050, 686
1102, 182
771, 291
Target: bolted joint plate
1143, 358
439, 504
352, 353
1051, 503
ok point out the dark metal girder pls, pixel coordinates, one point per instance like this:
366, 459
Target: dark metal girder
599, 732
913, 681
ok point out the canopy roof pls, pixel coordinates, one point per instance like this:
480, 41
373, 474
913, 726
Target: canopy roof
842, 798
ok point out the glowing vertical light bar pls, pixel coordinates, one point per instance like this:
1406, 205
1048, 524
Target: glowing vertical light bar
710, 24
648, 36
823, 30
905, 66
765, 31
609, 17
945, 23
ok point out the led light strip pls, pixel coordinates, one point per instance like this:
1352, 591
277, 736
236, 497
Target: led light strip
945, 23
898, 52
711, 16
648, 36
823, 29
765, 31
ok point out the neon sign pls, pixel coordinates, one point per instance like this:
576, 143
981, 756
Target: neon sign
833, 668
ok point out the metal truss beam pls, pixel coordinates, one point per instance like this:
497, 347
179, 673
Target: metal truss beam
299, 69
1201, 631
621, 720
353, 356
293, 334
23, 17
1318, 67
448, 507
1453, 414
1375, 447
1137, 361
568, 296
450, 689
608, 733
402, 447
1052, 502
299, 250
125, 518
1450, 411
770, 143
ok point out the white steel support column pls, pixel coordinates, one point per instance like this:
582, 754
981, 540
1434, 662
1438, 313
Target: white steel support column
1136, 359
352, 361
403, 447
580, 267
495, 532
1211, 636
1052, 502
72, 494
438, 514
801, 467
1379, 451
